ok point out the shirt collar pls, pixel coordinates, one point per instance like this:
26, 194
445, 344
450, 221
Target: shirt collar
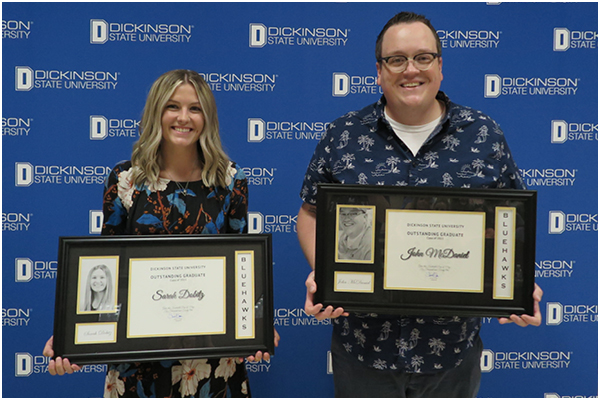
380, 115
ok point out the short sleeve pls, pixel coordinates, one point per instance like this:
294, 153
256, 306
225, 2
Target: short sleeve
113, 211
318, 170
510, 176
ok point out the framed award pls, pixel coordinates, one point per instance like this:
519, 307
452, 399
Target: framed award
136, 298
425, 250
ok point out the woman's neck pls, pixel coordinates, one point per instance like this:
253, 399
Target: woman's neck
180, 166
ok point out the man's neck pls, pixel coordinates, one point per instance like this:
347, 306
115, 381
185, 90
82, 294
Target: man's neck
416, 117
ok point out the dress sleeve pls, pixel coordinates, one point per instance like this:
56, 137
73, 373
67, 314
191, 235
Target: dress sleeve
113, 211
238, 210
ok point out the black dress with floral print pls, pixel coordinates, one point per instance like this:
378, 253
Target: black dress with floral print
169, 208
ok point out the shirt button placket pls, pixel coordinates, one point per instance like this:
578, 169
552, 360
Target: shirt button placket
413, 176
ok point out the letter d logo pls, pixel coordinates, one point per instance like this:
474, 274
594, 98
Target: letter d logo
561, 39
23, 174
255, 222
341, 84
23, 364
98, 127
98, 31
556, 223
554, 313
23, 79
256, 130
258, 35
492, 86
23, 269
559, 131
96, 220
487, 360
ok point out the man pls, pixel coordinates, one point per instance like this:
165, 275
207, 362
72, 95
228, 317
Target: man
416, 137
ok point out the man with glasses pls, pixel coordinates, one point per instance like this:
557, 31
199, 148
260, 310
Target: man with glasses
413, 136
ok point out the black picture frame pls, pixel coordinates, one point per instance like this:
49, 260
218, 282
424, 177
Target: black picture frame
226, 312
492, 279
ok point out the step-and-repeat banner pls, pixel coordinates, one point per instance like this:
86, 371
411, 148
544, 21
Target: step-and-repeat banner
74, 80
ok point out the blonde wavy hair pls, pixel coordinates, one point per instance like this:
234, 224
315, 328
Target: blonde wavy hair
145, 158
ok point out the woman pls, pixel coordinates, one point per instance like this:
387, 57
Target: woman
99, 294
179, 180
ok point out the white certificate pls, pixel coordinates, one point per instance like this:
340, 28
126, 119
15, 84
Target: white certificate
434, 250
176, 296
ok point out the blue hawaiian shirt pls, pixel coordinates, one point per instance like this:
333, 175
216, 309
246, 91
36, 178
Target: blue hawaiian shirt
466, 150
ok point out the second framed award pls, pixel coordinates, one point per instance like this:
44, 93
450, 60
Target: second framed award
425, 251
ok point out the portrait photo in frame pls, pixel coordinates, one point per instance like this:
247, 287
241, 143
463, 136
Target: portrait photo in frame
98, 286
355, 236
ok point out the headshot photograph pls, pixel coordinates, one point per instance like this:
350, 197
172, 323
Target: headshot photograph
355, 234
97, 285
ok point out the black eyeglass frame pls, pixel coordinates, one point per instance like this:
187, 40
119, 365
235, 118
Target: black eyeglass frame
435, 55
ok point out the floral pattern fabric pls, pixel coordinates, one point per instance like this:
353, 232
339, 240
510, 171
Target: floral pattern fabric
467, 149
165, 209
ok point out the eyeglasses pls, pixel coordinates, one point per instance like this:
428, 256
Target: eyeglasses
351, 214
421, 61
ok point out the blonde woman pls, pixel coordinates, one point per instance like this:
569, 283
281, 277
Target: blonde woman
179, 180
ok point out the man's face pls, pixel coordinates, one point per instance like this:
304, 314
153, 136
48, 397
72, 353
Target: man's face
353, 220
410, 94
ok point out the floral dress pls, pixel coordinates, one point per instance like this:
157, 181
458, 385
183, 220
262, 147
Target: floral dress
166, 208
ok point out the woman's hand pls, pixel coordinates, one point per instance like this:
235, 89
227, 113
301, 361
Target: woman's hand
58, 366
264, 356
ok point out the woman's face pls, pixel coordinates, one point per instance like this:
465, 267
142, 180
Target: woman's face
98, 280
182, 119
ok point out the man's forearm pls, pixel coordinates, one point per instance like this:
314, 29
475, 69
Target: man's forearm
307, 228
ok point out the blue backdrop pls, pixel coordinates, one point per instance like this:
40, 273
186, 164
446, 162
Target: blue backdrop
74, 81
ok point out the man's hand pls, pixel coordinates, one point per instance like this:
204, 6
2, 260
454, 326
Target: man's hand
526, 320
317, 309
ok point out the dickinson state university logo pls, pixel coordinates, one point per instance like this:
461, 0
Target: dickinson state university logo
344, 84
96, 220
563, 131
565, 39
260, 223
14, 29
26, 365
102, 127
495, 85
259, 130
261, 35
13, 126
512, 360
27, 269
26, 78
557, 313
559, 222
27, 174
102, 32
